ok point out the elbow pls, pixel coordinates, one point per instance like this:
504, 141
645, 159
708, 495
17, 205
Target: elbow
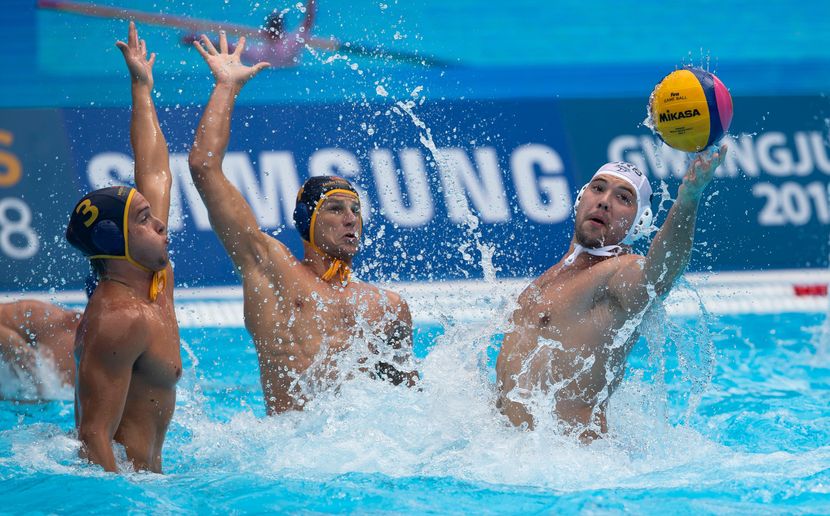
167, 180
95, 439
662, 288
199, 164
196, 162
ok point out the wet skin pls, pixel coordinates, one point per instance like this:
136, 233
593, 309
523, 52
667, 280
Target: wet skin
29, 328
127, 344
300, 324
129, 361
573, 306
575, 325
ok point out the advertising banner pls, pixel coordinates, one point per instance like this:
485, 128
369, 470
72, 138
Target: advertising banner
451, 189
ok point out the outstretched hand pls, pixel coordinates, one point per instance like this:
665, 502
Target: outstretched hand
227, 67
135, 55
702, 170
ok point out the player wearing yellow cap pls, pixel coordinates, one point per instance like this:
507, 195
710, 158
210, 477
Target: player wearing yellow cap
127, 343
302, 314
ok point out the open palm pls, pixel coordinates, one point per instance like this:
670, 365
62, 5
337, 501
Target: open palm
227, 67
135, 55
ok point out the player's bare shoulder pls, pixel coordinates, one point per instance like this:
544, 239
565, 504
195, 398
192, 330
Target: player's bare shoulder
274, 258
114, 325
395, 303
367, 292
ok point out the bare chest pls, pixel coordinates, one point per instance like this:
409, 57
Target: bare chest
567, 307
161, 364
303, 320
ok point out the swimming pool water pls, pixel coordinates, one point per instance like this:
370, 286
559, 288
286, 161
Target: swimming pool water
738, 422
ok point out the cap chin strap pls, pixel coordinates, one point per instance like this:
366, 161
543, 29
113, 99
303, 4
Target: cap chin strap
608, 250
337, 268
157, 284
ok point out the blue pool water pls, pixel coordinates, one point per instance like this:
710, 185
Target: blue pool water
729, 414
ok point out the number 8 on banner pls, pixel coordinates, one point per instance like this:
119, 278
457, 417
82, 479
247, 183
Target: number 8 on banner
20, 225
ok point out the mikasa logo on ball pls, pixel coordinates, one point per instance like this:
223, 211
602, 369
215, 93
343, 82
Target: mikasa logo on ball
689, 113
690, 109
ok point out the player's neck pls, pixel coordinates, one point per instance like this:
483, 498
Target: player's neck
127, 274
320, 262
580, 255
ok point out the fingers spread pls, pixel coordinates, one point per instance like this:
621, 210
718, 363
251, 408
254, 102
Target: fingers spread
259, 67
223, 42
200, 49
209, 45
240, 45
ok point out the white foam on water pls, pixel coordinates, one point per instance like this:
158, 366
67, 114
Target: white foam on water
449, 427
21, 386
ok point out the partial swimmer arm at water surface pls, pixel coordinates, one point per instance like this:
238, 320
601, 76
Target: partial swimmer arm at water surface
671, 248
31, 331
111, 344
17, 353
152, 163
329, 43
232, 218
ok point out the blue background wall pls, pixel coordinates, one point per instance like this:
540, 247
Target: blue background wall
533, 99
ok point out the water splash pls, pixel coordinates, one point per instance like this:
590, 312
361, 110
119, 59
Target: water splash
446, 427
45, 382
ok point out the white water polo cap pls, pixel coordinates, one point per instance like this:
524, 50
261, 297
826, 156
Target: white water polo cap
642, 220
631, 175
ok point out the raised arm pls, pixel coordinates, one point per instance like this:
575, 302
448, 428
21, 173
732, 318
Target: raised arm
230, 215
111, 347
152, 162
671, 248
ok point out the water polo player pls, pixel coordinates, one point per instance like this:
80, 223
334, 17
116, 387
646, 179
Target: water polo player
302, 314
127, 343
576, 323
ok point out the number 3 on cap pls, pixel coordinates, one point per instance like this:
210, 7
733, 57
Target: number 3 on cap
88, 208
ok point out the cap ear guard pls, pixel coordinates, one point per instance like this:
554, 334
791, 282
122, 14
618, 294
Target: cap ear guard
579, 197
108, 238
302, 219
640, 227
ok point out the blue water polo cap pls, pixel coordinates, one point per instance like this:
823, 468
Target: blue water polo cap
310, 198
98, 224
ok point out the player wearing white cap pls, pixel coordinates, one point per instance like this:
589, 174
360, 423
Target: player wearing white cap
575, 324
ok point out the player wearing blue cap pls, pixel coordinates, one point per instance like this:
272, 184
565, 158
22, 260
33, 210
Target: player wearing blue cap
576, 323
127, 343
302, 314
